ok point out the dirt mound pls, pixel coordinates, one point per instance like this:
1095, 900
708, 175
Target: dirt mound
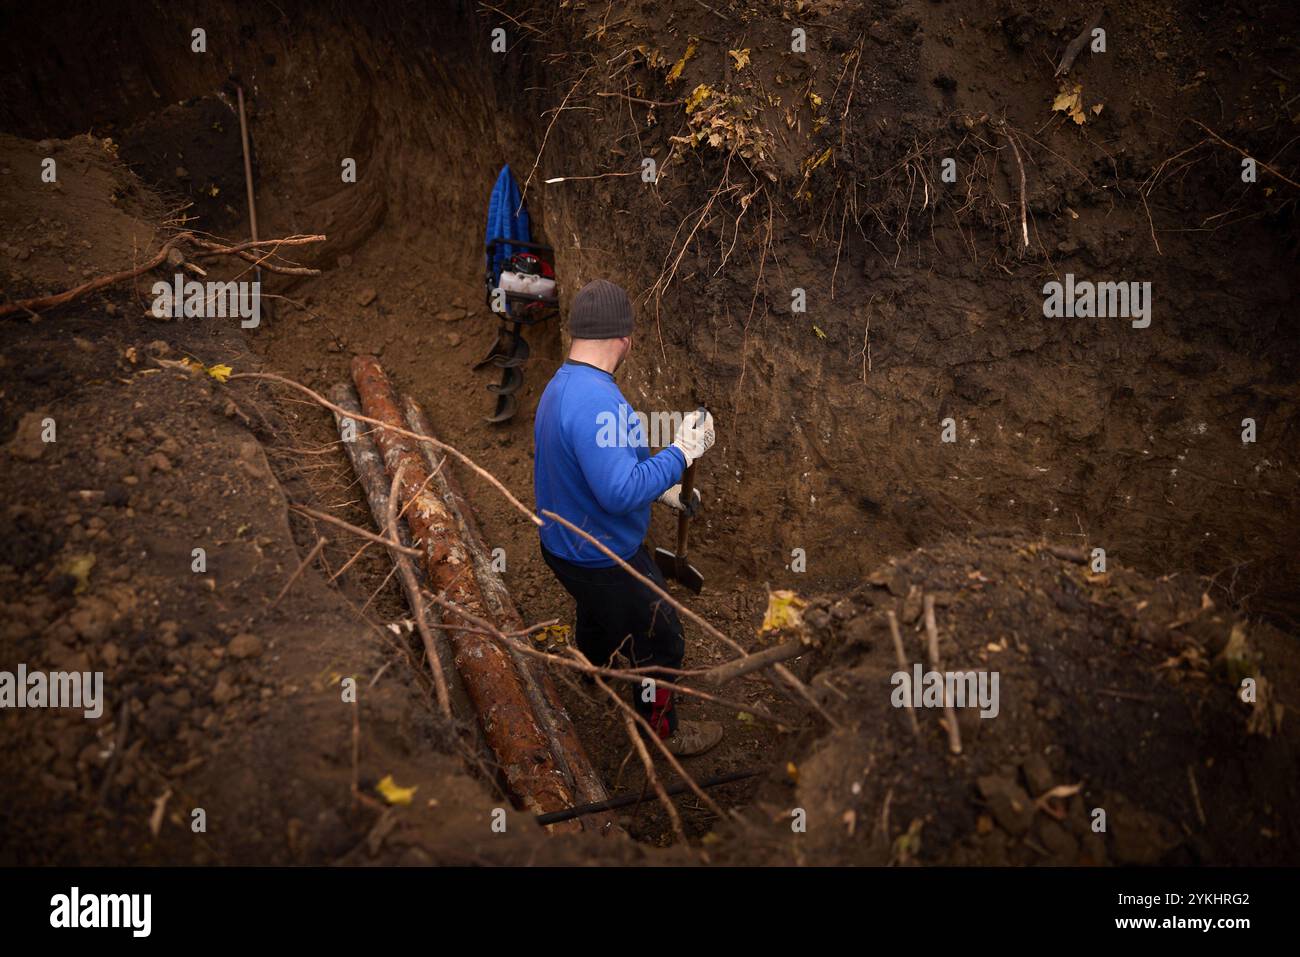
47, 246
1115, 694
147, 536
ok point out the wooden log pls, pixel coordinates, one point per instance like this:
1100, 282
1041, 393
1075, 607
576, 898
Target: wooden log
532, 776
369, 468
553, 717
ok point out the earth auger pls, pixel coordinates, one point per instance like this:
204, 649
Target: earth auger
522, 293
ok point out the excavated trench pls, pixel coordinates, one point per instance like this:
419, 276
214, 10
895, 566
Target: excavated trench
832, 445
1084, 434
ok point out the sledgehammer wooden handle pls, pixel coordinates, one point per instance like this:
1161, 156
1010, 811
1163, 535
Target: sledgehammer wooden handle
684, 519
688, 490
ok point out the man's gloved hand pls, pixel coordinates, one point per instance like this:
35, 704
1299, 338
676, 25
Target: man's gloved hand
695, 435
673, 499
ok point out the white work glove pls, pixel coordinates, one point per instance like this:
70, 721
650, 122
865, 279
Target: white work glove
695, 435
673, 499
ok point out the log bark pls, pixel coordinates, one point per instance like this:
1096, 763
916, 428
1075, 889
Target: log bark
513, 731
554, 718
369, 467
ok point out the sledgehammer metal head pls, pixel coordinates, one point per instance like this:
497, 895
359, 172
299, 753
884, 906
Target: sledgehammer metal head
676, 567
674, 564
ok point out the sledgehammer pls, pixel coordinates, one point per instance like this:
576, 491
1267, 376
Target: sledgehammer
674, 564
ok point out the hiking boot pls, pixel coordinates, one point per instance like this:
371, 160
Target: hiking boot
693, 737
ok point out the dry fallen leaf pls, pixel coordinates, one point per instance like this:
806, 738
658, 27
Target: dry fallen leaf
783, 608
392, 793
1070, 102
741, 57
79, 567
676, 72
697, 97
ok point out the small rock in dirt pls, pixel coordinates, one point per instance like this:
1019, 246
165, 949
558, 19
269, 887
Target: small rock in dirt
92, 618
1038, 775
62, 586
1092, 850
224, 692
414, 857
1138, 836
27, 443
367, 296
245, 645
1007, 802
1058, 841
116, 496
160, 721
167, 634
453, 340
857, 633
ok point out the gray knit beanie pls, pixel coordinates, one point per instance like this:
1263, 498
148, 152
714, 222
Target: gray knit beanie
600, 310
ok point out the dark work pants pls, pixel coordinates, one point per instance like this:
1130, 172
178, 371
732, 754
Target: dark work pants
617, 613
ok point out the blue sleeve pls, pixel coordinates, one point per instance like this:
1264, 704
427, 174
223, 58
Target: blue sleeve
621, 482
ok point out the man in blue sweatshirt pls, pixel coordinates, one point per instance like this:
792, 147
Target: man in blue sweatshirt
593, 466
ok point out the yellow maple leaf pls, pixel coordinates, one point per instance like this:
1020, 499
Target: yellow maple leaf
1070, 102
741, 57
697, 97
782, 611
220, 372
394, 794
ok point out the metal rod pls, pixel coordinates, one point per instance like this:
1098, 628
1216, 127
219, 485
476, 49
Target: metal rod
556, 817
248, 169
